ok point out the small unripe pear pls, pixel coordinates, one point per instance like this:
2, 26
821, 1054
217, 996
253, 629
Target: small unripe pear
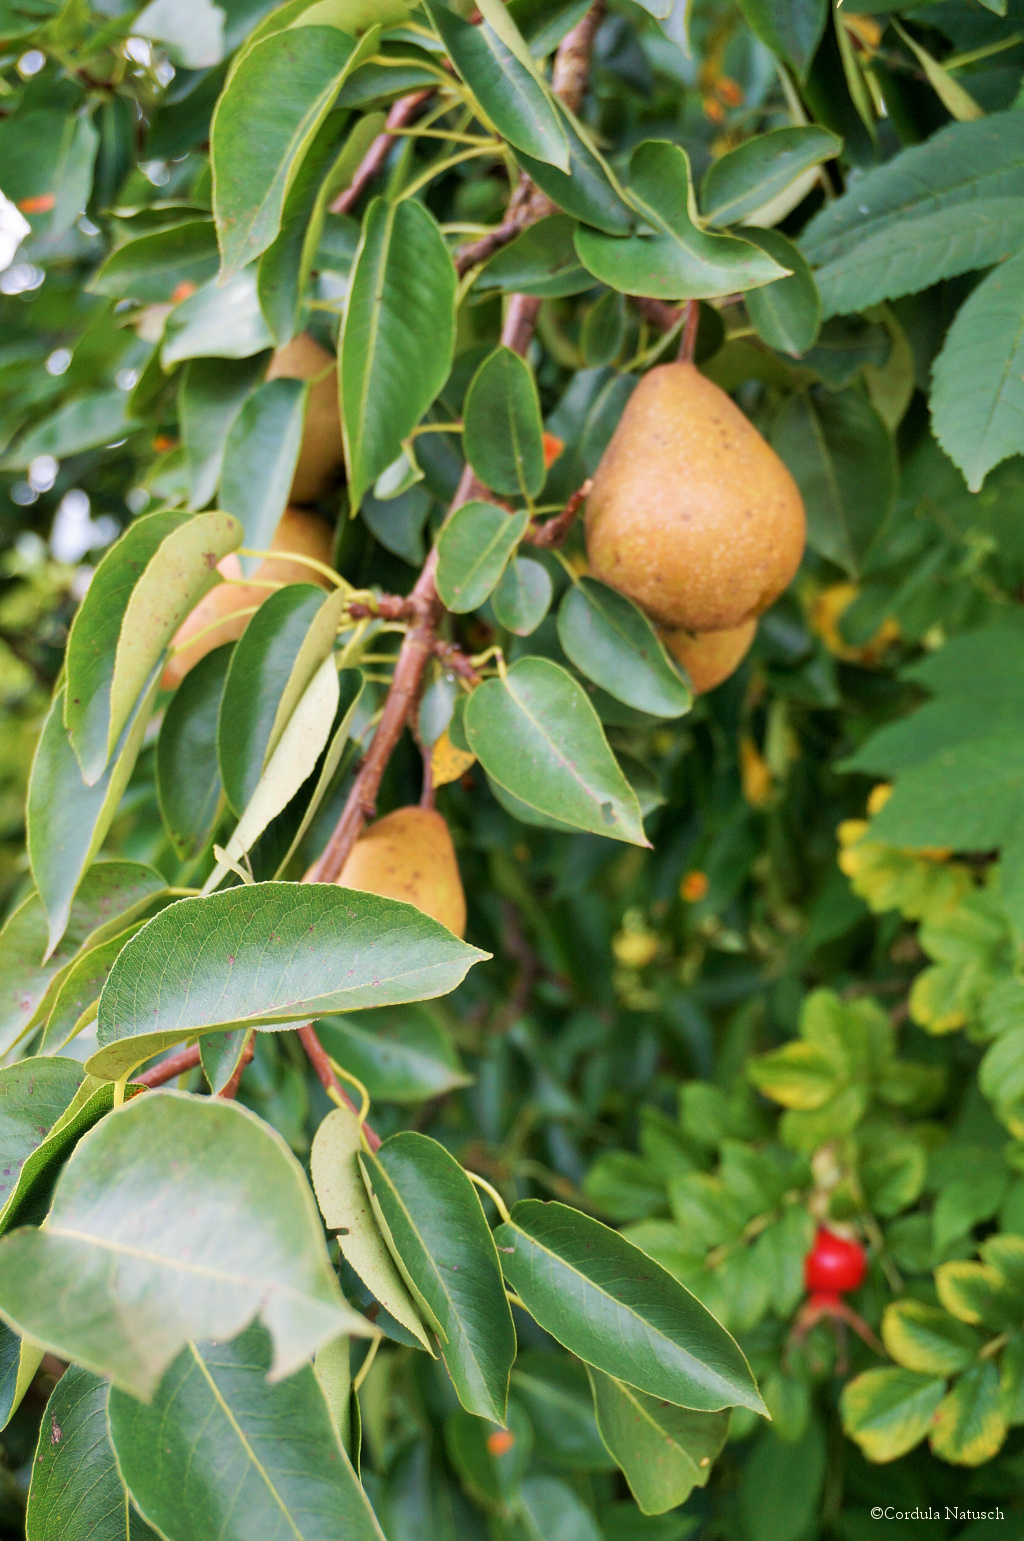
322, 456
409, 855
709, 657
230, 604
692, 514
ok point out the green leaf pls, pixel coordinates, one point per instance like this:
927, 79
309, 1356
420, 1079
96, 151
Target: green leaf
34, 1095
786, 314
255, 159
261, 450
142, 590
781, 1486
201, 1247
266, 953
968, 1426
77, 1493
664, 1451
523, 596
350, 691
219, 1451
110, 896
552, 1512
258, 675
536, 734
473, 550
555, 1391
542, 260
75, 1005
977, 396
86, 422
436, 1230
613, 643
398, 336
937, 209
401, 1054
503, 434
510, 91
20, 1358
219, 1055
49, 155
619, 1311
927, 1339
210, 397
67, 820
187, 773
755, 173
792, 29
967, 796
218, 321
345, 1206
491, 1478
888, 1412
678, 260
842, 459
590, 191
979, 1294
151, 267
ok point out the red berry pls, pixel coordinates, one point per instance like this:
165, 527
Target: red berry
834, 1264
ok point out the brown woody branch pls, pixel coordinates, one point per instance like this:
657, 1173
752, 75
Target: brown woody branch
372, 164
553, 533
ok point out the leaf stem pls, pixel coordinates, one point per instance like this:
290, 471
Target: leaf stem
294, 556
367, 1364
492, 1193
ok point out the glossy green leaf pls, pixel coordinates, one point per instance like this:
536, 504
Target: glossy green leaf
77, 999
266, 953
664, 1451
792, 29
151, 267
503, 434
261, 450
400, 1053
888, 1411
201, 1247
977, 396
618, 1310
759, 170
590, 191
436, 1230
142, 591
67, 820
678, 260
188, 781
511, 94
257, 677
842, 459
523, 596
939, 208
292, 762
345, 1206
219, 1451
787, 313
219, 1055
473, 550
86, 422
110, 896
613, 643
256, 158
211, 395
542, 260
536, 734
20, 1358
398, 336
77, 1493
218, 321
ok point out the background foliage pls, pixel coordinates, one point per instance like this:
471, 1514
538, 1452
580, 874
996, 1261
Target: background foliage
803, 1001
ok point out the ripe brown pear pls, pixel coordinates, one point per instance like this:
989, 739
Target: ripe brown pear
300, 531
409, 855
709, 657
692, 515
321, 457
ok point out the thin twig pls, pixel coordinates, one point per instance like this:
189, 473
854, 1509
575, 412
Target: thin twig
229, 1090
168, 1069
372, 164
553, 533
329, 1081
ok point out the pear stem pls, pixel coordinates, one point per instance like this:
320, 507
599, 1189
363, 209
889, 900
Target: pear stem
688, 341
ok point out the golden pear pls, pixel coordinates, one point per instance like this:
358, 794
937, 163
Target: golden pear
409, 855
692, 515
231, 604
321, 457
709, 657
